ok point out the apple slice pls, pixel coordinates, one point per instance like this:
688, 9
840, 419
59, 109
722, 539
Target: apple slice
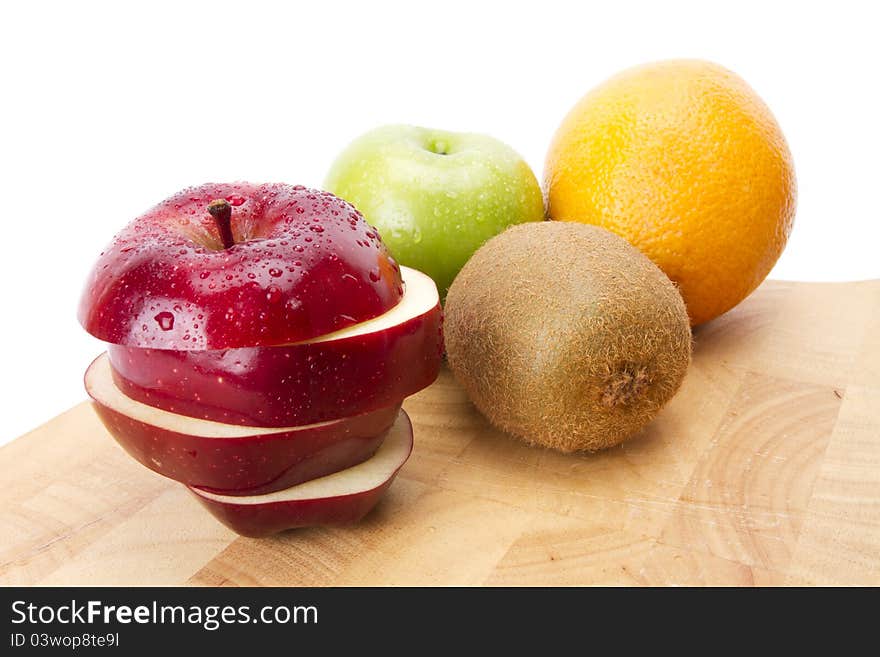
361, 368
235, 459
239, 265
340, 498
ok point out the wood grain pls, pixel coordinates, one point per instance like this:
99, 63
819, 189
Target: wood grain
764, 470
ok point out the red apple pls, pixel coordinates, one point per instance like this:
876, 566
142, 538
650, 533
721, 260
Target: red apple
361, 368
237, 460
340, 498
239, 265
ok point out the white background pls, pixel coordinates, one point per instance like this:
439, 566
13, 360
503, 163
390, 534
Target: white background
107, 108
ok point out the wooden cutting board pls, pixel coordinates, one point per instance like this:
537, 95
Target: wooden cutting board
765, 469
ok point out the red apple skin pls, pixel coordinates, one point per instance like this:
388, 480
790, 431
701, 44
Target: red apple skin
289, 385
305, 263
260, 520
250, 465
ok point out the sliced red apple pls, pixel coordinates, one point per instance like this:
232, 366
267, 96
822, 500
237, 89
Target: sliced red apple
239, 265
235, 459
340, 498
361, 368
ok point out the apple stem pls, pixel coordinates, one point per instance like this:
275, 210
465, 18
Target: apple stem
222, 213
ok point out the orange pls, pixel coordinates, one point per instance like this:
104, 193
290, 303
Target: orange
684, 160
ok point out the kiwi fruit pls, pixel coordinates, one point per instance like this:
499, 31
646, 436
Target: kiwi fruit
565, 335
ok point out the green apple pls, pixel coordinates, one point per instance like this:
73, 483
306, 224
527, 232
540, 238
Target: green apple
435, 196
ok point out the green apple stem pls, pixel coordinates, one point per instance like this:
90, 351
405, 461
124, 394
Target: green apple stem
222, 213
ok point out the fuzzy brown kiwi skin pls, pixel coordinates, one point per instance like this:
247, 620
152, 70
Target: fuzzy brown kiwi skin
566, 336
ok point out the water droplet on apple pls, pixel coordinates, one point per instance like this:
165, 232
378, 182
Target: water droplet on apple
275, 272
273, 294
375, 274
235, 200
316, 228
204, 275
165, 320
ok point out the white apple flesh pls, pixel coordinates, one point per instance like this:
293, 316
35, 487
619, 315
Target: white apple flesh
340, 498
235, 459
